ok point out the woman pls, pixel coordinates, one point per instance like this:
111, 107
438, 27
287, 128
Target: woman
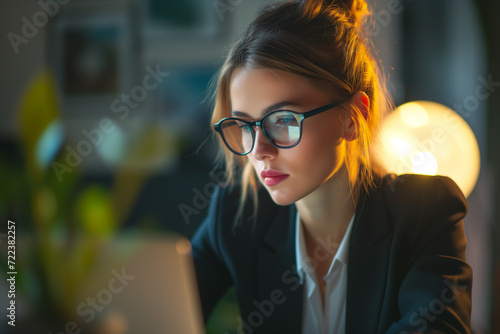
312, 234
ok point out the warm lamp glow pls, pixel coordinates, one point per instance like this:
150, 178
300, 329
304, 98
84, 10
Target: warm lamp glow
424, 163
399, 145
413, 114
428, 138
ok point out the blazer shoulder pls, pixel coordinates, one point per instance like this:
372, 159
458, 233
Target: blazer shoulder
436, 192
421, 205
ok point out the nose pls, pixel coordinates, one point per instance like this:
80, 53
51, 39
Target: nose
262, 148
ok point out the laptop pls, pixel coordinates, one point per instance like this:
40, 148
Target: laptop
142, 285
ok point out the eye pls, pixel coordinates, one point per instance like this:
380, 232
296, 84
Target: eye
243, 127
284, 119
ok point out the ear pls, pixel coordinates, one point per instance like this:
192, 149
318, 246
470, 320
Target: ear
361, 101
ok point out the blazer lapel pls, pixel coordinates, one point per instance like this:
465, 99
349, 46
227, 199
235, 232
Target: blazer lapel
368, 261
367, 267
278, 282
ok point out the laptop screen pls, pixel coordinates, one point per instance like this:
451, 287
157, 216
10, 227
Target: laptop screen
141, 285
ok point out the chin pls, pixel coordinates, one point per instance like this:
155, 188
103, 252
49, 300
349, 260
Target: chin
282, 197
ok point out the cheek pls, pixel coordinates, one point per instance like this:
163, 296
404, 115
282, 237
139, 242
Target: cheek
315, 159
322, 144
318, 158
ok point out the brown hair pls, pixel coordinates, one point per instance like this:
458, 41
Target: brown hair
321, 41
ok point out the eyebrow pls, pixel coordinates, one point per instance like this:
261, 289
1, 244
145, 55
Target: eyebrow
267, 110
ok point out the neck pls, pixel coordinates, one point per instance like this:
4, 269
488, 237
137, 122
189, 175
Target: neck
326, 212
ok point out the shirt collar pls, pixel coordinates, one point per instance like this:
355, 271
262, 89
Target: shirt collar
301, 256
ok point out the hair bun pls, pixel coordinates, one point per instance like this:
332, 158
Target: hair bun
355, 9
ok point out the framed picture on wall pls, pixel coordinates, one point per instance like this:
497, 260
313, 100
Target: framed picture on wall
93, 52
175, 19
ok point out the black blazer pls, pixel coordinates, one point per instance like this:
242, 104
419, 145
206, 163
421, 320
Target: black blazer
406, 271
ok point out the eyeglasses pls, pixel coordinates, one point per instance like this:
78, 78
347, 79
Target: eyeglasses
282, 128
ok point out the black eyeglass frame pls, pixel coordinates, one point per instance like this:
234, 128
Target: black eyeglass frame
259, 123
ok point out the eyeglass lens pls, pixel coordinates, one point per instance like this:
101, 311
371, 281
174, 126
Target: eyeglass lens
282, 128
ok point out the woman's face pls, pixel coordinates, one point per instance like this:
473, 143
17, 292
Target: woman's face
319, 156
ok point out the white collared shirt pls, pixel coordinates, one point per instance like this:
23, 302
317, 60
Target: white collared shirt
332, 320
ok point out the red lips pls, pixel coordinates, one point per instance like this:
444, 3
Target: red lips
273, 177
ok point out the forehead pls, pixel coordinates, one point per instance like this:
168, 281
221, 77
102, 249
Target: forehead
252, 90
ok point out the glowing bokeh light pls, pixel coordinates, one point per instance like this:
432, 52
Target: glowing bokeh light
49, 143
428, 138
424, 163
413, 114
399, 145
112, 149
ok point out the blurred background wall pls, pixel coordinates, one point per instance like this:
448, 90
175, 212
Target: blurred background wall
104, 110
